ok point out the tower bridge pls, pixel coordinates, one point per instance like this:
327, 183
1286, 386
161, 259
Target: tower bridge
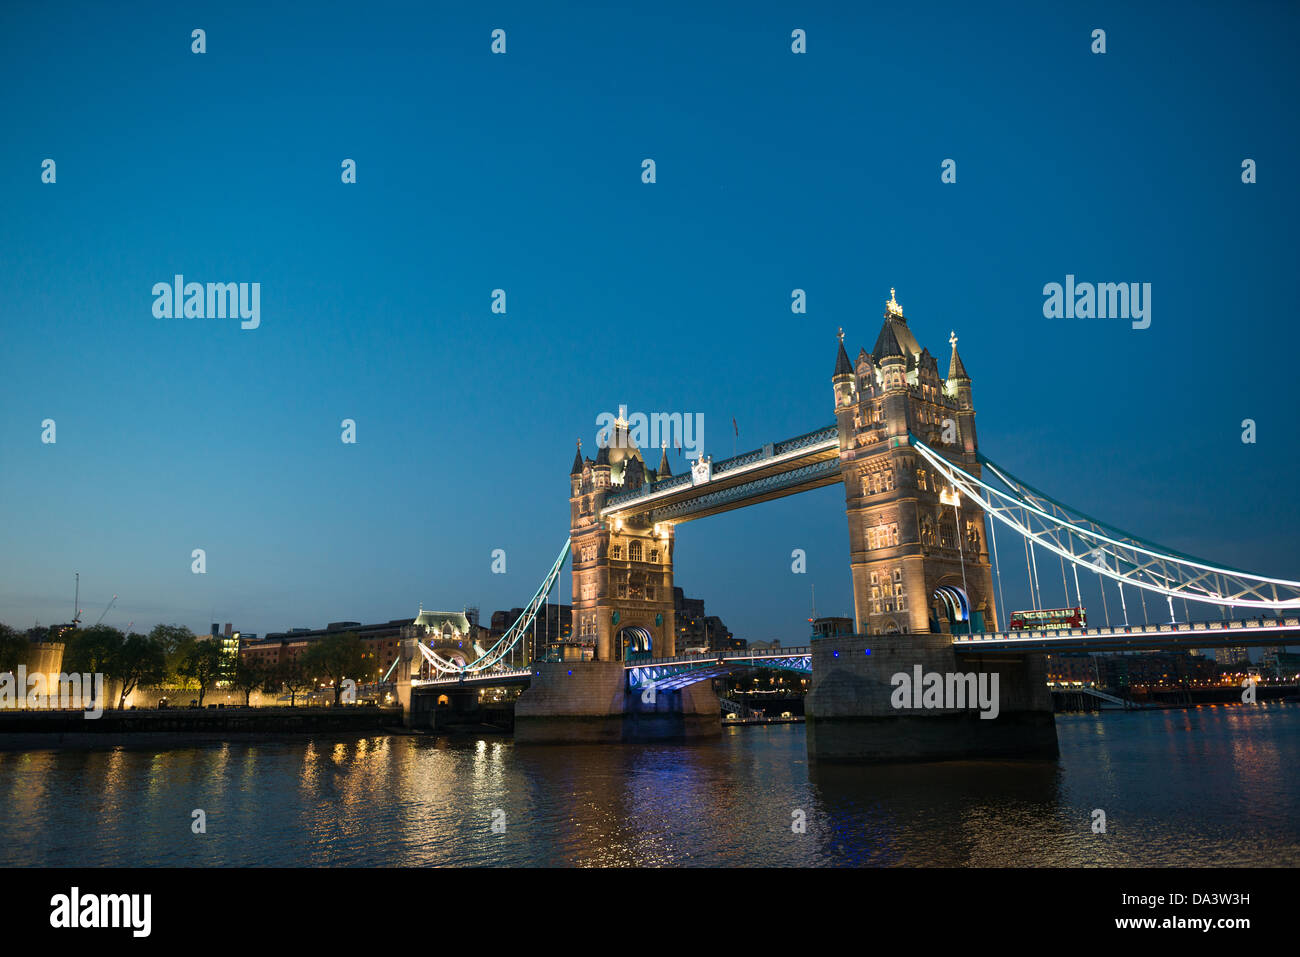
924, 507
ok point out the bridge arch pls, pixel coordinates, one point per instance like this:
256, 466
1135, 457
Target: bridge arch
635, 640
953, 602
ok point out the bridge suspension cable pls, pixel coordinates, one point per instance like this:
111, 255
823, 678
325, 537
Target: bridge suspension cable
507, 642
1108, 551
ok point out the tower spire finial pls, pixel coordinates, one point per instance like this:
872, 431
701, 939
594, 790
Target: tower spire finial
893, 307
952, 339
841, 335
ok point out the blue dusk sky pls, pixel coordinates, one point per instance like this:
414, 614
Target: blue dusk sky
476, 171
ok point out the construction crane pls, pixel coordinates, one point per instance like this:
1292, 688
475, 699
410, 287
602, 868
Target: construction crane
105, 611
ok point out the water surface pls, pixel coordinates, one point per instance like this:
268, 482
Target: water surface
1214, 785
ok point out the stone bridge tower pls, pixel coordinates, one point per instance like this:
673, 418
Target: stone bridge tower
920, 565
622, 571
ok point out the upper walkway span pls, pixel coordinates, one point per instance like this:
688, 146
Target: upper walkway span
776, 470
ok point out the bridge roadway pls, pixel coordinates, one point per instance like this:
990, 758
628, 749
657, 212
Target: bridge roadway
1196, 634
675, 672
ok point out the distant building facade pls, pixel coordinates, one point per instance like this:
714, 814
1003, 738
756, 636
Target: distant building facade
697, 630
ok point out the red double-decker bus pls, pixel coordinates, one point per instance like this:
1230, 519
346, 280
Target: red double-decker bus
1047, 619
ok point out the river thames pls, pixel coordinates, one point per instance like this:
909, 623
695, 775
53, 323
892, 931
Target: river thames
1210, 786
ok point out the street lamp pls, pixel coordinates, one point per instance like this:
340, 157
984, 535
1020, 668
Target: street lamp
951, 497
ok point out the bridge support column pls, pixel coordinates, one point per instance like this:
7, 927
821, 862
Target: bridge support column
587, 702
851, 712
406, 651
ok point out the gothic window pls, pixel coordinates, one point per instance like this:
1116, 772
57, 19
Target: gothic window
927, 532
946, 535
874, 579
654, 554
634, 551
621, 590
900, 602
898, 575
893, 534
616, 551
650, 592
972, 536
875, 601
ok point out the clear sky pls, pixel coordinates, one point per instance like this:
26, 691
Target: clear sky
475, 171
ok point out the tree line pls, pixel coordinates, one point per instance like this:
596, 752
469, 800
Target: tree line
172, 656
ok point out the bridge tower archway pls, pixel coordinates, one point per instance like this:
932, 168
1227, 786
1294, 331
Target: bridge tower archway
635, 640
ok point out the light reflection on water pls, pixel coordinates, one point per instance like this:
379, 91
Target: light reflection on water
1216, 785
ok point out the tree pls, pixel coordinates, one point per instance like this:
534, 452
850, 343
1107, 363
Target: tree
201, 662
140, 660
337, 657
170, 638
14, 649
249, 676
92, 651
293, 677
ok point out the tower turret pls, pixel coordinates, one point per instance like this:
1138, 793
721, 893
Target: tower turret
958, 386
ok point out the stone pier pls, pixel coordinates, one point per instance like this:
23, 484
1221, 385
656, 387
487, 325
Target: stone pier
587, 702
850, 716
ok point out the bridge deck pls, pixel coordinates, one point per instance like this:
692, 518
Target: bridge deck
1198, 634
680, 670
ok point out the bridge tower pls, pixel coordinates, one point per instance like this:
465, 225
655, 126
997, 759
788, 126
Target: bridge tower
622, 571
920, 572
920, 563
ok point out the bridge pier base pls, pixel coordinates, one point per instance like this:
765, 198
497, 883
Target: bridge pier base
851, 714
587, 702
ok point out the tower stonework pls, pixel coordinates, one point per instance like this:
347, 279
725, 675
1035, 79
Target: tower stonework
914, 556
920, 572
622, 571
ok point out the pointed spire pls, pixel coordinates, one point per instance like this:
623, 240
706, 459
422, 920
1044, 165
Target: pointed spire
842, 366
887, 343
665, 470
955, 369
577, 460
